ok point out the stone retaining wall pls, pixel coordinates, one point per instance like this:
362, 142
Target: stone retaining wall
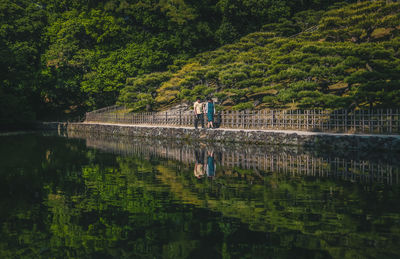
263, 137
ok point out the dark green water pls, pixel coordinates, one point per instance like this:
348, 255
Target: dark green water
108, 197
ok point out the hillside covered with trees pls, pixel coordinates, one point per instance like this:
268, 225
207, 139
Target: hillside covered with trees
345, 58
62, 58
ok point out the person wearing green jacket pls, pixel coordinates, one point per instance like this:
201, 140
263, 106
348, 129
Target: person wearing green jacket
210, 111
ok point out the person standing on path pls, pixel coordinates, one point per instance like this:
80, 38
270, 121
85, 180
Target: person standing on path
198, 113
210, 111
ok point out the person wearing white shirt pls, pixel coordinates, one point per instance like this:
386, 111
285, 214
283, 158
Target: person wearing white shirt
198, 113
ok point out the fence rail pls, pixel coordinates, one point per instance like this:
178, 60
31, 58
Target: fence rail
381, 121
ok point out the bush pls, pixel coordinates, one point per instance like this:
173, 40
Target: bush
268, 99
231, 77
330, 23
292, 73
287, 95
303, 85
144, 102
243, 106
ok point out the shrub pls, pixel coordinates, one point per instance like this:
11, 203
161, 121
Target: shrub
167, 96
307, 19
203, 90
243, 106
303, 85
268, 99
144, 101
252, 82
379, 33
230, 77
185, 94
256, 73
236, 94
259, 38
287, 95
224, 59
220, 95
292, 73
212, 74
330, 23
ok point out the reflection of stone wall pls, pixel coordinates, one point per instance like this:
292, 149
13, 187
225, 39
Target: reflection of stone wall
333, 141
292, 161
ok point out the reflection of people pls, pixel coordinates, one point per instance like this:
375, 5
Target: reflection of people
210, 164
198, 113
199, 165
210, 111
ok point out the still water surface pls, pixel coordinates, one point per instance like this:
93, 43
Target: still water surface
108, 197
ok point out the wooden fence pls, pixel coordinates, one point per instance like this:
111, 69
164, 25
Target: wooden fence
381, 121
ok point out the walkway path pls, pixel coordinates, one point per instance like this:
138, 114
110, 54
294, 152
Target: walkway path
300, 133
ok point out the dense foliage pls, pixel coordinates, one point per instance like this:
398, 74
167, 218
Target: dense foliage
65, 57
348, 59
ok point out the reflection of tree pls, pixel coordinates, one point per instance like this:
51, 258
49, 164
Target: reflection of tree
115, 197
142, 206
305, 213
315, 210
31, 168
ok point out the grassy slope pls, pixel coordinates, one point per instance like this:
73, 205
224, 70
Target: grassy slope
352, 60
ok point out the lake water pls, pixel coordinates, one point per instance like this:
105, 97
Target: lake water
80, 196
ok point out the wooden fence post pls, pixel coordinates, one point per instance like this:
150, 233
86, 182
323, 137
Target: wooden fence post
362, 121
242, 117
307, 118
381, 123
238, 119
398, 120
272, 118
253, 119
370, 127
263, 121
